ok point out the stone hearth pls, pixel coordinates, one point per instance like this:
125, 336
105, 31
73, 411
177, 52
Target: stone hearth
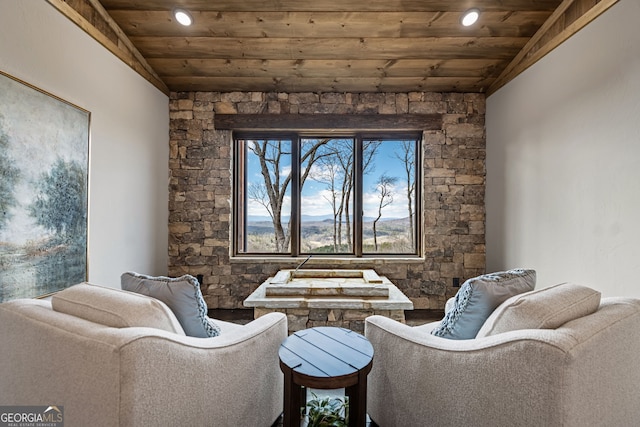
342, 298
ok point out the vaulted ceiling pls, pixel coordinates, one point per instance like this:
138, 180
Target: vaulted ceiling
333, 45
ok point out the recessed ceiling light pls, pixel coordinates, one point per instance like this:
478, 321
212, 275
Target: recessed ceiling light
183, 17
470, 17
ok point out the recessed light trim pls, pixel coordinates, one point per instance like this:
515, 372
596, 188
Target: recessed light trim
470, 17
183, 17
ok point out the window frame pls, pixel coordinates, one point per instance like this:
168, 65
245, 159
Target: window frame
238, 168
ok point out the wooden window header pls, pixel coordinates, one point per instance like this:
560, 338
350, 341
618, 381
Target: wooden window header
328, 121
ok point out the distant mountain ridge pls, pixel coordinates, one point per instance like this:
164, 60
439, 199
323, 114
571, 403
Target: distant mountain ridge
312, 218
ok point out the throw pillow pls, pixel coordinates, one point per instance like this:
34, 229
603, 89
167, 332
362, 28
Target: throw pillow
182, 295
115, 308
449, 305
547, 308
478, 297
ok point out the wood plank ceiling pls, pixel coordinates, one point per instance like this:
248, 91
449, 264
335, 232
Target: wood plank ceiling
341, 45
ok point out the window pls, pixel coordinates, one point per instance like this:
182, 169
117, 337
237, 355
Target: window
298, 194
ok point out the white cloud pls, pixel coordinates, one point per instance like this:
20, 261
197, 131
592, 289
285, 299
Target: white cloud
317, 204
397, 209
257, 209
286, 170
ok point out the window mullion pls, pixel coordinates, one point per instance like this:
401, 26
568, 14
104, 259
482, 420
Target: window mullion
417, 201
357, 197
294, 218
240, 197
245, 201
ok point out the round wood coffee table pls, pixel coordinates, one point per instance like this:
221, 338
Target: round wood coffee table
325, 358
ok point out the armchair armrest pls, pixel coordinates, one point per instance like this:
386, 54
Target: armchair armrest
233, 379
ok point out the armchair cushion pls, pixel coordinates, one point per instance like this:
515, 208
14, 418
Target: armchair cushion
478, 298
547, 308
115, 308
182, 295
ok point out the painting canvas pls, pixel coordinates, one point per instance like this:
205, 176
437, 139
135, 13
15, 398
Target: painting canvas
44, 162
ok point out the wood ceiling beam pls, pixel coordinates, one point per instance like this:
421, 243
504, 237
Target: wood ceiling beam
352, 48
274, 68
129, 55
333, 84
330, 24
532, 52
333, 5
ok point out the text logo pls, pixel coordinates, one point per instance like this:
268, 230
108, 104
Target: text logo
32, 416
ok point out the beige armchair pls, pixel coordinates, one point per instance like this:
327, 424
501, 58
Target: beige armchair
581, 373
108, 365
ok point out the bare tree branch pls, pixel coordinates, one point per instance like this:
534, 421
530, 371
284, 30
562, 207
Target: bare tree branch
384, 186
408, 158
271, 155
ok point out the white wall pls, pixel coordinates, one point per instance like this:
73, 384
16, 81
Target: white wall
563, 161
128, 175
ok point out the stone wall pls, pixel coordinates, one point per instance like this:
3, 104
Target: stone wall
201, 184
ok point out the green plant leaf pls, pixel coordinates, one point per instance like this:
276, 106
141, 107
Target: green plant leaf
327, 412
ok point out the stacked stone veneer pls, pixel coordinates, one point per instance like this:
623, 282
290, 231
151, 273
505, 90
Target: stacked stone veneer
200, 185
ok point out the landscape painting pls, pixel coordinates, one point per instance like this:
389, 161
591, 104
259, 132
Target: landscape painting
44, 162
